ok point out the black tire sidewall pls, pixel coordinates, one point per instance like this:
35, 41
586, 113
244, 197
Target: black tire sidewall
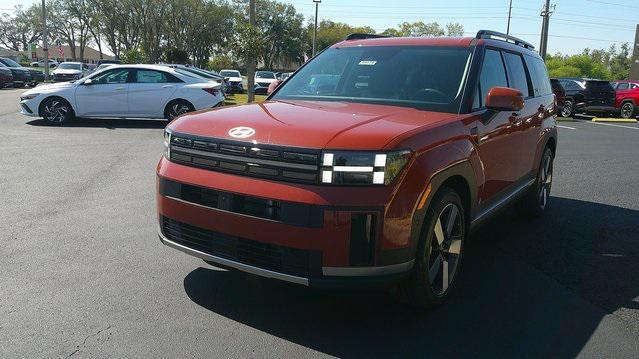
632, 112
66, 118
531, 203
421, 290
572, 108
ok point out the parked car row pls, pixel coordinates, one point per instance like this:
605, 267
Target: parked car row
19, 76
593, 96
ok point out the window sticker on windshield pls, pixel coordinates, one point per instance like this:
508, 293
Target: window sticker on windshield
367, 63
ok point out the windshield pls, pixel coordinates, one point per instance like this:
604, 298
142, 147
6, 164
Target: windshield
11, 63
265, 75
429, 78
69, 66
230, 73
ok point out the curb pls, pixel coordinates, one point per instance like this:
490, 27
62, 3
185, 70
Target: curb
621, 120
565, 119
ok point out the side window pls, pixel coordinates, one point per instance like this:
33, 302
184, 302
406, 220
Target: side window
492, 74
118, 76
623, 86
172, 78
634, 86
150, 77
539, 76
517, 73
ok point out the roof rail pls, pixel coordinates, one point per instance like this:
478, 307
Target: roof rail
488, 34
363, 36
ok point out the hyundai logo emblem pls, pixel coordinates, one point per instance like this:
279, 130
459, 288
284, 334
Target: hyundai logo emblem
241, 132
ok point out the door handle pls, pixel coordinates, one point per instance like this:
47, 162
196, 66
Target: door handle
167, 86
119, 88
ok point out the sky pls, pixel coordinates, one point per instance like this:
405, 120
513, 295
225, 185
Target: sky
575, 24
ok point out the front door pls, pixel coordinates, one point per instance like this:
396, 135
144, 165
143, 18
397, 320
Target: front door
497, 139
106, 96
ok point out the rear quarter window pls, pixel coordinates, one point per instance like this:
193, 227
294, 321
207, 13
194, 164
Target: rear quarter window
538, 76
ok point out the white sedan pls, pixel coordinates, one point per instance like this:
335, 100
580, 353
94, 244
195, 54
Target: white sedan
123, 91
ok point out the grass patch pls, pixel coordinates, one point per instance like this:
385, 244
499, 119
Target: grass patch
565, 119
241, 98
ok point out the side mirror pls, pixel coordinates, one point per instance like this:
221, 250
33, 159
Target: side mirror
273, 86
504, 99
88, 82
226, 78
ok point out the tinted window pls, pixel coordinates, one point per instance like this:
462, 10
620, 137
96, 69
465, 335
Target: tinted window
265, 75
538, 76
414, 76
623, 86
599, 86
70, 66
492, 73
150, 77
634, 86
10, 63
517, 78
117, 76
230, 74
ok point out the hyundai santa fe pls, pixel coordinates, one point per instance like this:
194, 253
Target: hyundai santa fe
370, 165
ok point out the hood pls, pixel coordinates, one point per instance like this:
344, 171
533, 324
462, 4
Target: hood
18, 69
51, 87
261, 79
311, 124
67, 71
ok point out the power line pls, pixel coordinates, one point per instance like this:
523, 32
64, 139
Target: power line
614, 4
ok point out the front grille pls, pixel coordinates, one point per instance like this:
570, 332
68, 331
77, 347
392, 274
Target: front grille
264, 84
295, 214
281, 259
247, 159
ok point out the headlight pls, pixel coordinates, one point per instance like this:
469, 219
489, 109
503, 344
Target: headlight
167, 144
362, 168
28, 97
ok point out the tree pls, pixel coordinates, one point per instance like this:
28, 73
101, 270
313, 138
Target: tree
174, 55
454, 29
421, 29
329, 33
21, 29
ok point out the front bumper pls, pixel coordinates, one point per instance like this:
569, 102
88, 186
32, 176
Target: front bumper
251, 224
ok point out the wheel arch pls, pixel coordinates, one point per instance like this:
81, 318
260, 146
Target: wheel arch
176, 99
461, 178
41, 104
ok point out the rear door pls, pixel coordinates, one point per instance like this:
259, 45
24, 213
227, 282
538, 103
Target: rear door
105, 96
149, 91
599, 93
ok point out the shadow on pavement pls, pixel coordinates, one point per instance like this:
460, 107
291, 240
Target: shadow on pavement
107, 123
504, 306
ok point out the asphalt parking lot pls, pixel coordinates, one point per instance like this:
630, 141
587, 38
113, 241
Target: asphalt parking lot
84, 274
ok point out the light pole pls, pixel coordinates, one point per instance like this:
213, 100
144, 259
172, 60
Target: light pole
252, 62
510, 9
45, 47
317, 2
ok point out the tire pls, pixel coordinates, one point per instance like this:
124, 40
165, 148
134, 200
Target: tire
568, 110
176, 108
56, 111
627, 110
536, 202
442, 238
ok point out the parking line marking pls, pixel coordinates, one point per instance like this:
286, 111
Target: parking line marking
610, 124
570, 128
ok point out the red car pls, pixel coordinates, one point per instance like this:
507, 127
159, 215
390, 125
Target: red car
627, 97
377, 177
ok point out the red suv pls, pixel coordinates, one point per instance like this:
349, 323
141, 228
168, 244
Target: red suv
627, 97
375, 174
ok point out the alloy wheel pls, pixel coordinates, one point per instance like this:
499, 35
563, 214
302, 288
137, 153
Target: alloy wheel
445, 249
177, 109
545, 182
626, 110
55, 111
567, 109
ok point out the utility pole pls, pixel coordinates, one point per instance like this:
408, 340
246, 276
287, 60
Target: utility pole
317, 2
545, 13
510, 10
45, 47
252, 62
